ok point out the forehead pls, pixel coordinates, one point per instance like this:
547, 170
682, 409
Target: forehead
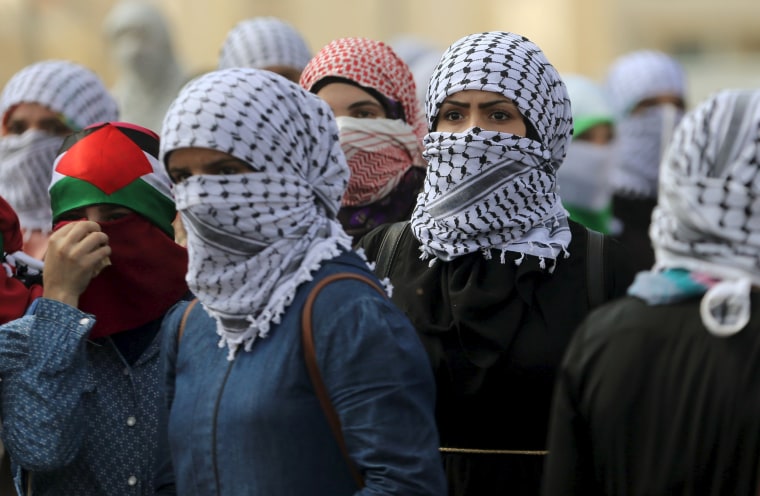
344, 94
477, 96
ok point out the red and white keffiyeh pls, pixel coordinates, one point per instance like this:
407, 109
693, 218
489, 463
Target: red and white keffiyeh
378, 153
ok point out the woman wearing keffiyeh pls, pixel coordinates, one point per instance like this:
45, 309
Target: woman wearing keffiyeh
491, 271
259, 175
658, 391
372, 93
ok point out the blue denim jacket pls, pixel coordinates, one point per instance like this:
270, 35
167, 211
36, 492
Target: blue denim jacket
75, 413
254, 426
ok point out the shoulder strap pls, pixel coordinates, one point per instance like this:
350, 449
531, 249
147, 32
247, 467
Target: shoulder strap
595, 268
183, 322
388, 246
307, 338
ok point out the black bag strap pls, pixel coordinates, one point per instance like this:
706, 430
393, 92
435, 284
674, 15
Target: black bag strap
595, 268
388, 246
310, 356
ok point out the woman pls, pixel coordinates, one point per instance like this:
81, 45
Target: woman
584, 178
81, 413
658, 391
372, 93
648, 91
490, 270
258, 177
40, 105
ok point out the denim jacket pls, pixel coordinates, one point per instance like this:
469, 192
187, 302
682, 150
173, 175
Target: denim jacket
254, 426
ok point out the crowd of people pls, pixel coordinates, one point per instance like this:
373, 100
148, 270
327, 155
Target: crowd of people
299, 274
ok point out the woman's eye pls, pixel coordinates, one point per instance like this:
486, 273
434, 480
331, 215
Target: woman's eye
178, 177
16, 127
227, 171
500, 115
364, 114
453, 115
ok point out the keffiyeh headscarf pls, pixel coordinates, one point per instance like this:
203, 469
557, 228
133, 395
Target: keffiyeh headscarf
379, 151
264, 42
643, 136
254, 238
489, 190
26, 160
707, 220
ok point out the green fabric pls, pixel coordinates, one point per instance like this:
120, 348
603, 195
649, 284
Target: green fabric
70, 193
583, 124
598, 220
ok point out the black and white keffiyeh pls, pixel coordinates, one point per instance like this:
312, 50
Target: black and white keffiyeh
489, 190
254, 238
708, 213
264, 42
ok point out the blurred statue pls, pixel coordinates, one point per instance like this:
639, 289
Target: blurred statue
150, 74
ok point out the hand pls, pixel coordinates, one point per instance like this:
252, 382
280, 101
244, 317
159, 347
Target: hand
76, 253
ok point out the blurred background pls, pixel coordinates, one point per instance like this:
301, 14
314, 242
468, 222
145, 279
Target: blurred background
718, 42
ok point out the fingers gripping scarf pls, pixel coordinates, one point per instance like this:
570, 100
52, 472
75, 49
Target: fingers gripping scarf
254, 238
488, 190
708, 213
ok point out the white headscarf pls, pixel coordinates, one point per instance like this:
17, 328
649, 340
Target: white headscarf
488, 190
263, 42
254, 238
708, 213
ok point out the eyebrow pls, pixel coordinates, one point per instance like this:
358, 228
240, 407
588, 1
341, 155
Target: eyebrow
481, 105
362, 103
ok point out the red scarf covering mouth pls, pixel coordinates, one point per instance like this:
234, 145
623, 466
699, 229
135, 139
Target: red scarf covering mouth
146, 277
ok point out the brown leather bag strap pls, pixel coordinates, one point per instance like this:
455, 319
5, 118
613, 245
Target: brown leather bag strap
183, 322
310, 355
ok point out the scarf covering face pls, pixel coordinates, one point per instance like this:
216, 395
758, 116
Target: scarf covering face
264, 42
641, 143
254, 238
65, 88
379, 152
145, 278
117, 163
26, 165
489, 190
708, 215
